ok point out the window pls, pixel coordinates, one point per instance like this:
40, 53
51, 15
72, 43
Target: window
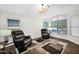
13, 23
54, 26
62, 26
58, 25
45, 24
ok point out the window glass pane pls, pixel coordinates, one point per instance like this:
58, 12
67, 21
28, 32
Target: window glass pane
54, 26
45, 24
62, 26
13, 23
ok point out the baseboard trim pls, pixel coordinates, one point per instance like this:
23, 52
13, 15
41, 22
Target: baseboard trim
74, 42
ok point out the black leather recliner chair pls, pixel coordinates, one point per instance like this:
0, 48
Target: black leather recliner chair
21, 41
45, 34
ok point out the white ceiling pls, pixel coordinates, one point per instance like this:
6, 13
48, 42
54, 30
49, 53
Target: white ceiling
31, 10
21, 9
61, 9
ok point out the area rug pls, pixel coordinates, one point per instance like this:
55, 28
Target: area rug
41, 40
51, 49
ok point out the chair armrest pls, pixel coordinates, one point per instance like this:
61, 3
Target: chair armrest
27, 37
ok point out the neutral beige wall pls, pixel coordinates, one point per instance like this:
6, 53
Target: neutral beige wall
30, 26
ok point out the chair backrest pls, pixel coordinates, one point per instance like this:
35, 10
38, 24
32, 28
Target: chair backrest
18, 37
44, 31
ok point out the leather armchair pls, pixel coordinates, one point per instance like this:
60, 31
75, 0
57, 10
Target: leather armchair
45, 34
21, 41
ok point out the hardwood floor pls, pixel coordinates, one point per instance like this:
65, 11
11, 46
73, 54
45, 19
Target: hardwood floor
71, 48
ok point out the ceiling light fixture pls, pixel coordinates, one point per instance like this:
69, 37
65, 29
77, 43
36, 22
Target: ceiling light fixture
43, 9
